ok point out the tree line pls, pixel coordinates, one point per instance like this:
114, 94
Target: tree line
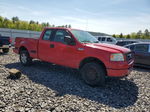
16, 23
135, 35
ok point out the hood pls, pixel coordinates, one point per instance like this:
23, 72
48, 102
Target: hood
108, 47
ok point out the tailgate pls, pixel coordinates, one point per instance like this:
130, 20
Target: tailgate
4, 41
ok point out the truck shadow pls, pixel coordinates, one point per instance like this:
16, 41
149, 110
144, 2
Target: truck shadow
116, 93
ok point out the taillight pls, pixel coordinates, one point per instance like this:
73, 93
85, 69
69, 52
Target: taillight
10, 40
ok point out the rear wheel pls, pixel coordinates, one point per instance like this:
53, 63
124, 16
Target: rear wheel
5, 50
25, 58
93, 74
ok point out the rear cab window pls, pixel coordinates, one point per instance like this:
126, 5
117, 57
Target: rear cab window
47, 34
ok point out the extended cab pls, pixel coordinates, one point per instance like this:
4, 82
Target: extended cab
5, 43
76, 49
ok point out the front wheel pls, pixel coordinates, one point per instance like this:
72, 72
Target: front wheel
25, 58
5, 50
93, 74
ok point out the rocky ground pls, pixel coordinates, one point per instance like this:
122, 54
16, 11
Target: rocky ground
45, 87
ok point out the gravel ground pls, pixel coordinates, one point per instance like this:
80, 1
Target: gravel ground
45, 87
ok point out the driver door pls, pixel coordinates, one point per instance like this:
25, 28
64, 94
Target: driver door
66, 54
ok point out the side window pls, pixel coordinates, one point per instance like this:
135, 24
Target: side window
141, 48
132, 47
109, 40
128, 47
128, 42
103, 38
47, 35
99, 38
59, 36
120, 43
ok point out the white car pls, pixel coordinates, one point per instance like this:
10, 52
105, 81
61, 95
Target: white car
106, 39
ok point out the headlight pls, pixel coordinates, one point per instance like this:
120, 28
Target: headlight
116, 57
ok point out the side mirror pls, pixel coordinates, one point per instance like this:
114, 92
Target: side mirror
69, 40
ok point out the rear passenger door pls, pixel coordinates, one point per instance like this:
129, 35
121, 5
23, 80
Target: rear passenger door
45, 47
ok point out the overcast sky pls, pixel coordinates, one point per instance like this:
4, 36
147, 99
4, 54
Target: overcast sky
107, 16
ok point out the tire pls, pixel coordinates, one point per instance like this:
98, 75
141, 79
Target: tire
25, 58
93, 74
5, 50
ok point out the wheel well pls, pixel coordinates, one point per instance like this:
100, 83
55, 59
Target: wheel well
22, 48
92, 59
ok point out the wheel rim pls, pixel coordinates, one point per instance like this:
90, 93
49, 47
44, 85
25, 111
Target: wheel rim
23, 58
91, 74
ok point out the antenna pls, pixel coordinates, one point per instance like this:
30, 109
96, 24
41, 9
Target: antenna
86, 25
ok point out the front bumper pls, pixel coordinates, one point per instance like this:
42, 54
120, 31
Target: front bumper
120, 72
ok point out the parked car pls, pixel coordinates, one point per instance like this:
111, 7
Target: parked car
106, 39
76, 49
5, 43
141, 52
126, 42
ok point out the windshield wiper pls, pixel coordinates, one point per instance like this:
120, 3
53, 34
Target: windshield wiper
86, 41
96, 41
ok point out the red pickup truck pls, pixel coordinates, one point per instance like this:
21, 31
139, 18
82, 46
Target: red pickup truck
76, 49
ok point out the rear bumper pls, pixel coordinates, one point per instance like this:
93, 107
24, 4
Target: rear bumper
120, 72
5, 46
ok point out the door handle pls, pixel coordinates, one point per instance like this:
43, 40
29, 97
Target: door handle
51, 45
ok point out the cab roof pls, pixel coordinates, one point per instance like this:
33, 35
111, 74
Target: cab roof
61, 28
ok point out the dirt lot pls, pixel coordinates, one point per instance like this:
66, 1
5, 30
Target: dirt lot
45, 87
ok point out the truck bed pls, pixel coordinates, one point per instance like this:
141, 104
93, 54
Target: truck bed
30, 43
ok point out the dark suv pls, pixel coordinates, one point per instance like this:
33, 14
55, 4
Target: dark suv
141, 52
126, 42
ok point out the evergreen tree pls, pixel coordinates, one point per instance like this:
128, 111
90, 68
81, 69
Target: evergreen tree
31, 22
114, 35
69, 26
146, 33
66, 26
15, 19
121, 35
128, 36
139, 34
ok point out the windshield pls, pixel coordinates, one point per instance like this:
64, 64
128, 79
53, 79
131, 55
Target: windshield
84, 37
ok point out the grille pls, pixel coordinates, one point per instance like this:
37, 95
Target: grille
129, 56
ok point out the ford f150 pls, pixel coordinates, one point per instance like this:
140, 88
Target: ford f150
76, 49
